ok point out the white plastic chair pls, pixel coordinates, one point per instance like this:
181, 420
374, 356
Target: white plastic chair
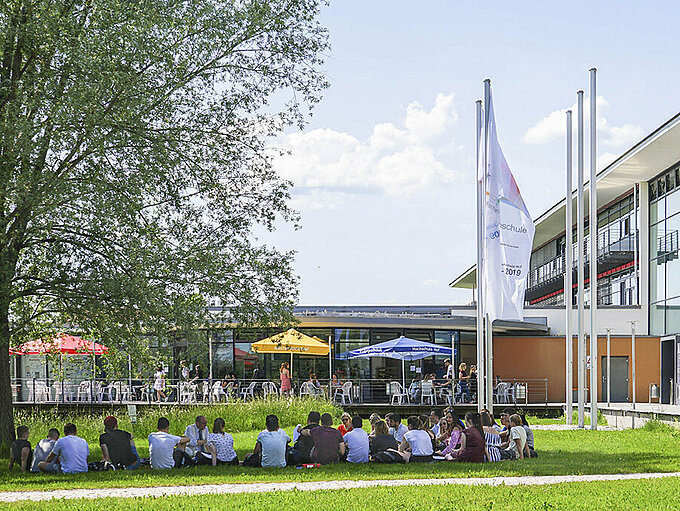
84, 391
218, 392
270, 389
502, 393
398, 393
187, 392
344, 393
307, 389
427, 393
37, 391
249, 391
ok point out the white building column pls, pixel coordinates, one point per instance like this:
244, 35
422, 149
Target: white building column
643, 255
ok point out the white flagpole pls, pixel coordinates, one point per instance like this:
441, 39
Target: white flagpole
488, 387
581, 280
593, 251
568, 264
480, 237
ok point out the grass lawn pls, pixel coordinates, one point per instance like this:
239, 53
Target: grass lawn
650, 449
619, 495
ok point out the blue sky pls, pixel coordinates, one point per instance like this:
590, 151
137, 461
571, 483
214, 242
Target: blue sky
384, 170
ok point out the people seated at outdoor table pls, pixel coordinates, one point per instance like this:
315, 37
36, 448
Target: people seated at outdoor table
198, 448
397, 429
163, 453
270, 448
71, 450
373, 419
516, 446
345, 423
304, 444
454, 429
329, 445
382, 440
223, 443
43, 450
472, 444
356, 442
314, 381
416, 446
118, 446
491, 437
414, 389
335, 382
20, 451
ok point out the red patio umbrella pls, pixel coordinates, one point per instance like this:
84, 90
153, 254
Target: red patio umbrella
63, 344
13, 351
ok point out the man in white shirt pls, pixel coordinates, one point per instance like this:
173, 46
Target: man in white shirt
71, 450
198, 447
397, 429
357, 442
450, 371
43, 450
435, 417
516, 447
162, 450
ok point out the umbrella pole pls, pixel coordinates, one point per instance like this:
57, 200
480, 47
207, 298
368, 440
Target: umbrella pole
330, 362
403, 376
291, 366
129, 378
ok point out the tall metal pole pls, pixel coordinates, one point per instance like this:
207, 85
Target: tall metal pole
489, 333
581, 252
609, 366
593, 249
480, 247
632, 342
568, 264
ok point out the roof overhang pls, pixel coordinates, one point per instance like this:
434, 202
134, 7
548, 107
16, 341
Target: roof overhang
652, 155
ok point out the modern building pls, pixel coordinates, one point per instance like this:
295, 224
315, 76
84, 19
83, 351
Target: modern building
638, 205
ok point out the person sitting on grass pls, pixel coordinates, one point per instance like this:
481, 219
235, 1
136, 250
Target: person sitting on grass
71, 450
345, 423
454, 427
472, 444
20, 451
373, 419
356, 442
435, 417
43, 450
516, 446
162, 452
382, 440
329, 446
118, 446
425, 426
304, 444
198, 449
271, 446
491, 436
223, 443
397, 429
416, 447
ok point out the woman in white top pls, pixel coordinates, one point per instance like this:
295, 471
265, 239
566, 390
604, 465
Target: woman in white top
159, 383
224, 444
416, 447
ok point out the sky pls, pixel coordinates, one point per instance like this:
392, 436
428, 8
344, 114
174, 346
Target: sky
384, 171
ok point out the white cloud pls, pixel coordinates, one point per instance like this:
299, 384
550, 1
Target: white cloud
553, 127
397, 159
430, 282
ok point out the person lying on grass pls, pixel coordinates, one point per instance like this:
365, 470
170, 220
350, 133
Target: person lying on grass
20, 450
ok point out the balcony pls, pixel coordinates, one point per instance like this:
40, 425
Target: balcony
613, 251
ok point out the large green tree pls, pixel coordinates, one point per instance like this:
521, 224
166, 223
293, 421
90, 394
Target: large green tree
134, 162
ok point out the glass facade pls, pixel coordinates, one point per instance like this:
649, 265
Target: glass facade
664, 265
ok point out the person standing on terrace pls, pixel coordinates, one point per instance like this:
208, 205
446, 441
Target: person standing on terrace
286, 384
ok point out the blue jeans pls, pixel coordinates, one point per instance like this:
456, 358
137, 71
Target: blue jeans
135, 465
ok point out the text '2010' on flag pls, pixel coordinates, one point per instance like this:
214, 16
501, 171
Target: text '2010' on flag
508, 233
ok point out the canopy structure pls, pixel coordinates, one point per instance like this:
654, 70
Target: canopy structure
63, 344
401, 348
13, 351
291, 341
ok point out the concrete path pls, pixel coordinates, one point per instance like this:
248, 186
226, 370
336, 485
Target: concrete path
160, 491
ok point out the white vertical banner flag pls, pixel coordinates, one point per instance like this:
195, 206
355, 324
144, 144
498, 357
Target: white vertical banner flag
508, 235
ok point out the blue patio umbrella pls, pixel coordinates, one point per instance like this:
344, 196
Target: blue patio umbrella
401, 348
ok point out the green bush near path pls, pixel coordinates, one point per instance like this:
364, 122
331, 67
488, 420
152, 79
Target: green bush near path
605, 495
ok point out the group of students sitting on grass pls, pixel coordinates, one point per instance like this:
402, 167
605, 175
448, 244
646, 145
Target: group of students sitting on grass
423, 439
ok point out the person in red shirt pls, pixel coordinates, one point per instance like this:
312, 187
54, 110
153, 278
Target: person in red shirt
345, 423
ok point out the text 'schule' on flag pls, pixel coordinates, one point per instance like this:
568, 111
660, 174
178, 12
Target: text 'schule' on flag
508, 235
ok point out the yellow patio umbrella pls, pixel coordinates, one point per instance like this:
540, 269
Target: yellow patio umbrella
291, 341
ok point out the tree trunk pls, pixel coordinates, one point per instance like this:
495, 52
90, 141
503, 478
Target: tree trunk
6, 411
